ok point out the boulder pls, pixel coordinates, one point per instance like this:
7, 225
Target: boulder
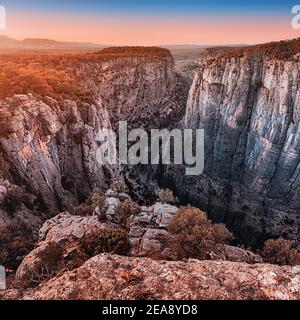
124, 196
66, 227
153, 241
162, 213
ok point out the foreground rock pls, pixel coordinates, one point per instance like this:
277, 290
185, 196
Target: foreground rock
115, 277
147, 233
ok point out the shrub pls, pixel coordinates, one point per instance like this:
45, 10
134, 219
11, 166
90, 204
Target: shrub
52, 256
194, 235
114, 241
4, 165
49, 262
84, 210
281, 252
119, 186
221, 234
165, 195
96, 199
126, 209
16, 242
16, 197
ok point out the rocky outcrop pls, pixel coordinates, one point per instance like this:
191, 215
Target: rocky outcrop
248, 104
147, 233
115, 277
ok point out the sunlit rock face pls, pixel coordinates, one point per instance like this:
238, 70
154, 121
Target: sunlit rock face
249, 108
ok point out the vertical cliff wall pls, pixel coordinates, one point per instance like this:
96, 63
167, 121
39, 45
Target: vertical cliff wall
248, 103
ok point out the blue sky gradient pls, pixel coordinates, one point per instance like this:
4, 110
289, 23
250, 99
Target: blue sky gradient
156, 7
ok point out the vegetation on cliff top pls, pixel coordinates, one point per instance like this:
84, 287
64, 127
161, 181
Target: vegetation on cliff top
284, 50
63, 76
150, 52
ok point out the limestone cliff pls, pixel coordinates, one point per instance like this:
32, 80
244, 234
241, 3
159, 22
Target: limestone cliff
248, 103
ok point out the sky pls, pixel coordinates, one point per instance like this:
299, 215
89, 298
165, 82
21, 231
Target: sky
133, 22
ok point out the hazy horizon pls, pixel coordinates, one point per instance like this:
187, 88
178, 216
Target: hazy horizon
166, 45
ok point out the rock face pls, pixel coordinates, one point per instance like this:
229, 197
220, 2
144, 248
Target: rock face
249, 106
49, 145
52, 149
114, 277
247, 103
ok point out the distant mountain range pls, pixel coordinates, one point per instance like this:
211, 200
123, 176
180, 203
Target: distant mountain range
8, 44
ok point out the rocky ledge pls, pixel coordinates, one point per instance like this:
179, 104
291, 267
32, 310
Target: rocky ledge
115, 277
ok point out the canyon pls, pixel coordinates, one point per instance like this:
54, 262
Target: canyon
246, 100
